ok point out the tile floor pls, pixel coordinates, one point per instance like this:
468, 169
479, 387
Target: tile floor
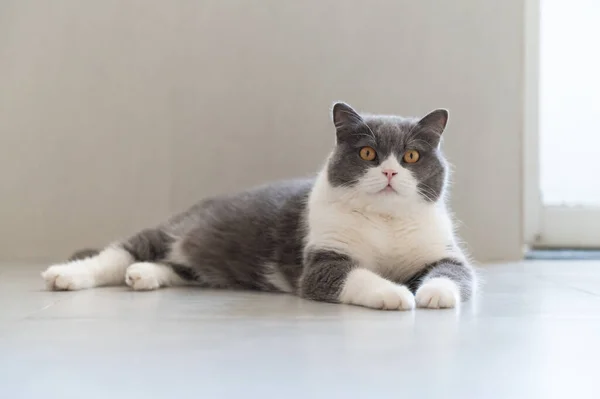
534, 332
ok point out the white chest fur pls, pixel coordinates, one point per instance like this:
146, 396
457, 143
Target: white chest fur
395, 246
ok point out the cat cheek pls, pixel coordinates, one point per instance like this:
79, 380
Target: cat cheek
373, 181
404, 182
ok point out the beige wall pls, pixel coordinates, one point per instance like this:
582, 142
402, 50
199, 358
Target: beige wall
114, 114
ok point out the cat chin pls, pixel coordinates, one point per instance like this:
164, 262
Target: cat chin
389, 193
388, 190
389, 203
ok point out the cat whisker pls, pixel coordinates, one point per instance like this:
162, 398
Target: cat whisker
372, 134
358, 134
427, 197
428, 193
419, 141
431, 189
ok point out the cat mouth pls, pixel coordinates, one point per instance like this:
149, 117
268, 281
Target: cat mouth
388, 189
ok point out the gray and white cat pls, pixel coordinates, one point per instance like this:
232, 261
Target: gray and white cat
372, 229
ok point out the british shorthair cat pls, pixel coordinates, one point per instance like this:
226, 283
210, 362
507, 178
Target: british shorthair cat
372, 229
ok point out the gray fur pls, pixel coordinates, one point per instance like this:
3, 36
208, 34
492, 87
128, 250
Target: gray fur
324, 274
233, 241
150, 245
454, 269
389, 135
84, 253
238, 241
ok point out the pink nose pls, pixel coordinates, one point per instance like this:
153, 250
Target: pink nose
389, 173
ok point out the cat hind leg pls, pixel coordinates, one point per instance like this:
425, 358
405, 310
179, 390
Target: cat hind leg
106, 268
146, 276
87, 269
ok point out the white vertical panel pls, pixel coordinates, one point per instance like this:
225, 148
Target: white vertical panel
570, 102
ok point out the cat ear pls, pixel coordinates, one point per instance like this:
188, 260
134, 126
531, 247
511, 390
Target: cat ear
345, 118
435, 121
432, 125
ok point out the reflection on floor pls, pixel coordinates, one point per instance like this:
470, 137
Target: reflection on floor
533, 332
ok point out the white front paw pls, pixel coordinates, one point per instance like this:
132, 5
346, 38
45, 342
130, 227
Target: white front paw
392, 297
68, 277
439, 292
365, 288
142, 276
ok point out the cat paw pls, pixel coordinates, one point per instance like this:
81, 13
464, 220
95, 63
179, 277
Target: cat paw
437, 293
142, 276
67, 277
395, 297
365, 288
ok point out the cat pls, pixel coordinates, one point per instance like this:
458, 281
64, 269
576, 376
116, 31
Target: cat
372, 229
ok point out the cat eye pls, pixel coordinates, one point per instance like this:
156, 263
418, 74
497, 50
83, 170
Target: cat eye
411, 156
367, 153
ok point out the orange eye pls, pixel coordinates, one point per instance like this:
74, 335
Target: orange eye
411, 156
367, 153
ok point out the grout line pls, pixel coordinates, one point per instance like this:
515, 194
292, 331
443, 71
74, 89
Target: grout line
565, 284
28, 316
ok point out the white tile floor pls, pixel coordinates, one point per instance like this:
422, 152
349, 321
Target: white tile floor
534, 332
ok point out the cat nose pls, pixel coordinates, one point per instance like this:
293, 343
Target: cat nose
389, 173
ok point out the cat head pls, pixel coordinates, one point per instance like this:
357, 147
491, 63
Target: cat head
388, 159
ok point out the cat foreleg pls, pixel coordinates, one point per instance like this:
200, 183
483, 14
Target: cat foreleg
446, 283
334, 277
